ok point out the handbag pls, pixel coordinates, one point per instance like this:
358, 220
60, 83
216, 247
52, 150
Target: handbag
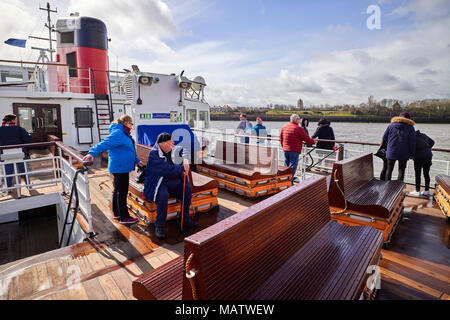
140, 175
381, 153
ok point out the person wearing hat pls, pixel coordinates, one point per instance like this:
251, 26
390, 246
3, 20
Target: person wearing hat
11, 134
400, 140
164, 178
122, 159
259, 130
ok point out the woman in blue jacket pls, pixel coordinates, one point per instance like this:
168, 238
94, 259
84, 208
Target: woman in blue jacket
400, 138
121, 161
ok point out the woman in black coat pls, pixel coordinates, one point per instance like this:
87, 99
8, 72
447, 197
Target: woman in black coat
324, 131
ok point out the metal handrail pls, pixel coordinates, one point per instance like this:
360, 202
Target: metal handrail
324, 140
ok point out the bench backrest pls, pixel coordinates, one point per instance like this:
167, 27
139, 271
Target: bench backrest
235, 256
142, 152
261, 158
352, 173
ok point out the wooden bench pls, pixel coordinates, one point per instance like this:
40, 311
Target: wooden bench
250, 170
285, 247
204, 193
442, 194
360, 199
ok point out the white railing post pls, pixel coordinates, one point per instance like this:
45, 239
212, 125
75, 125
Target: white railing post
17, 178
88, 201
90, 90
68, 79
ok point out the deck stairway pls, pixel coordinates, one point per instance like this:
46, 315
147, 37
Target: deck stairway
104, 114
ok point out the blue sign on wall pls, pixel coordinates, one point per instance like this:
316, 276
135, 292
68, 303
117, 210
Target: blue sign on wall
161, 116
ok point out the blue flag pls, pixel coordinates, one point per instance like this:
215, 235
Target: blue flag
16, 42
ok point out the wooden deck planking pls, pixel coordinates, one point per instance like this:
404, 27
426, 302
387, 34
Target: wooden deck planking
26, 283
120, 254
123, 281
411, 283
415, 277
110, 287
77, 292
94, 290
435, 270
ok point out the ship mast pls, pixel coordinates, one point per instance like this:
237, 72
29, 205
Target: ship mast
49, 26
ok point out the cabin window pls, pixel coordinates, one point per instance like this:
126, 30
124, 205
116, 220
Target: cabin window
204, 119
11, 76
71, 60
83, 118
67, 37
27, 119
50, 117
191, 118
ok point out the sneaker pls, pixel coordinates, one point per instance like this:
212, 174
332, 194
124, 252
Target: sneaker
425, 193
415, 193
116, 217
129, 221
160, 232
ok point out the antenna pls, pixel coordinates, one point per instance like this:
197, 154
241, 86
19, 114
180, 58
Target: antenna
49, 26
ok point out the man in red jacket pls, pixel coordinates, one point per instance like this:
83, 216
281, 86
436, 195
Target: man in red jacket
291, 138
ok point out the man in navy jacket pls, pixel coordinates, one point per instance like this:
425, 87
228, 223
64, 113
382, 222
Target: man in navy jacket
164, 178
11, 134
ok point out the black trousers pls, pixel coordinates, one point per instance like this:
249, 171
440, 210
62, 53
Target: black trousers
418, 166
119, 196
401, 169
383, 171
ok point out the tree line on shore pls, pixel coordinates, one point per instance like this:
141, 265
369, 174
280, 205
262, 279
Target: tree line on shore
429, 110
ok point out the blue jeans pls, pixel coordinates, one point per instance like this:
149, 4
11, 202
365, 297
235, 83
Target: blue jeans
174, 188
291, 160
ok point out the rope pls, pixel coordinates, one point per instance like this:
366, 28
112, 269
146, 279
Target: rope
343, 195
190, 275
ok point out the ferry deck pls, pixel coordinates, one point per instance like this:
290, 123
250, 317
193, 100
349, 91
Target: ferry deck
414, 265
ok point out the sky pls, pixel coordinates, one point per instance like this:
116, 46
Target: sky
257, 52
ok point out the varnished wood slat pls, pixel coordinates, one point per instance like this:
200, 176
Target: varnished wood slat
419, 277
55, 273
123, 282
12, 285
84, 265
96, 261
392, 289
138, 268
110, 287
434, 270
40, 277
410, 283
26, 283
61, 295
94, 290
77, 292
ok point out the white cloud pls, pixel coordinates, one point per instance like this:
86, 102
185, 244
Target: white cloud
407, 65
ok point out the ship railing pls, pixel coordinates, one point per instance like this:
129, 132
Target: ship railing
57, 171
313, 160
57, 77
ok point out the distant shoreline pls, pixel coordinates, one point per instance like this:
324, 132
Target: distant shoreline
284, 118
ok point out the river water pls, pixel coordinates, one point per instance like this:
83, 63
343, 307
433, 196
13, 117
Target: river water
370, 132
